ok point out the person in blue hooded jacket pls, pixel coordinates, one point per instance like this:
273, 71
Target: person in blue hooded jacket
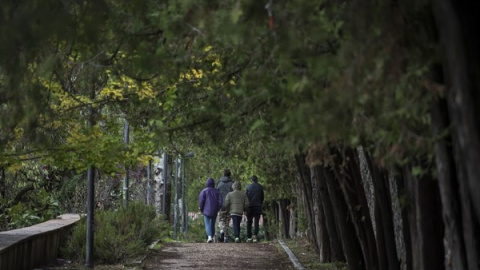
210, 201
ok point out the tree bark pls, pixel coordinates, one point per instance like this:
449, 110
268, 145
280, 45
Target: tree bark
449, 191
385, 216
425, 220
354, 194
471, 227
266, 222
331, 226
304, 173
350, 244
323, 239
405, 224
158, 185
292, 227
462, 96
283, 218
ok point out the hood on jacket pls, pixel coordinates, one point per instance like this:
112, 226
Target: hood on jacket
210, 182
225, 179
236, 185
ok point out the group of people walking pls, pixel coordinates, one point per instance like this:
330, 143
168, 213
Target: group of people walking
227, 201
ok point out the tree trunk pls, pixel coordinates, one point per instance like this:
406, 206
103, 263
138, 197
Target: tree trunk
471, 227
350, 244
323, 239
354, 194
331, 226
280, 221
449, 190
266, 222
284, 218
460, 81
401, 193
158, 184
292, 227
384, 216
304, 173
425, 220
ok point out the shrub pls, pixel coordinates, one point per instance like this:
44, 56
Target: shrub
119, 235
42, 206
196, 230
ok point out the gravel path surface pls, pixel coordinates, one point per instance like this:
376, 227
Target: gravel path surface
219, 256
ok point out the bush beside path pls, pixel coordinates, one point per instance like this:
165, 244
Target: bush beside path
219, 256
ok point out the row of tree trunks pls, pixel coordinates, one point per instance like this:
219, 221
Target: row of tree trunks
343, 221
384, 216
401, 193
462, 233
340, 224
305, 185
292, 227
425, 220
354, 193
350, 243
336, 250
322, 232
457, 156
283, 217
455, 20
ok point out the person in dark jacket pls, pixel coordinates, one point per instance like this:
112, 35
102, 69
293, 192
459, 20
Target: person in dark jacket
254, 193
237, 203
210, 201
224, 186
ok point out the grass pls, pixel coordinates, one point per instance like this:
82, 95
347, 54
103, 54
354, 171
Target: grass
308, 257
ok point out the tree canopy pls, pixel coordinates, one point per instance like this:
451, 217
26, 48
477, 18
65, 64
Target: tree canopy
260, 87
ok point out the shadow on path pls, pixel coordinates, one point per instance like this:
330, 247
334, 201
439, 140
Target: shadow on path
219, 256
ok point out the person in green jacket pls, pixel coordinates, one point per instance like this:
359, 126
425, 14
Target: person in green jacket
236, 203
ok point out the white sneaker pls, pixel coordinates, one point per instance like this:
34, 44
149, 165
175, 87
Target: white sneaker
209, 240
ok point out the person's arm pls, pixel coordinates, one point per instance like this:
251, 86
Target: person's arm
220, 200
226, 204
246, 202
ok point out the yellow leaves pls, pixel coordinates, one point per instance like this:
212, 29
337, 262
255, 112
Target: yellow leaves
197, 73
113, 91
62, 100
144, 159
216, 65
208, 48
118, 87
15, 167
18, 133
145, 91
77, 136
192, 75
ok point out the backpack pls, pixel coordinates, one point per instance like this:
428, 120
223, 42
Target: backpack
225, 188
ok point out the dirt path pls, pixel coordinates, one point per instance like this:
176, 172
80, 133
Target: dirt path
219, 256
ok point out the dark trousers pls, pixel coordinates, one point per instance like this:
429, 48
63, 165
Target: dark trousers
253, 215
236, 225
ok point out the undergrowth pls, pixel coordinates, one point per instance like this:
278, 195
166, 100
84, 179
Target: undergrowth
119, 235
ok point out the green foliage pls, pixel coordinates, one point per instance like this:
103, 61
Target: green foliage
119, 235
42, 206
196, 230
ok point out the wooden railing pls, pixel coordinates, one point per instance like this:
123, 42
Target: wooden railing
36, 245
